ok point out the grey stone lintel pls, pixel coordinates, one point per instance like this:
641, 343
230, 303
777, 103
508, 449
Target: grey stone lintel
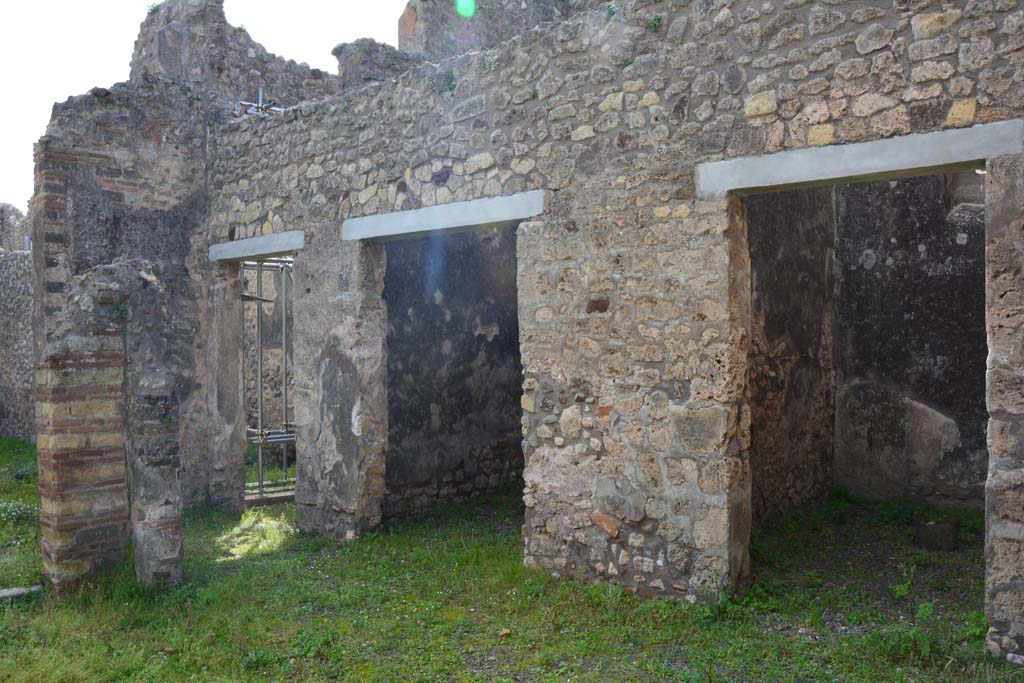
264, 246
489, 212
918, 154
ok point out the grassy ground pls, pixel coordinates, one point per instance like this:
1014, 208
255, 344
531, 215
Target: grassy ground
273, 470
839, 594
19, 549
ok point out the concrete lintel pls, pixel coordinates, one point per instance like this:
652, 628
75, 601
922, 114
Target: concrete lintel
264, 246
948, 150
489, 212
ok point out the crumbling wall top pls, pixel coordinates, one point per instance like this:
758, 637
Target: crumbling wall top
13, 228
365, 61
191, 40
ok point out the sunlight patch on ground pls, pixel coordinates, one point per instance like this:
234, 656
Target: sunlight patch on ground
258, 532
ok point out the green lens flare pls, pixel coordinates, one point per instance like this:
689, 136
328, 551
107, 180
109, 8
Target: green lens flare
465, 8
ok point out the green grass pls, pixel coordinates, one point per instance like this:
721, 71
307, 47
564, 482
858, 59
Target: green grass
445, 597
273, 471
20, 562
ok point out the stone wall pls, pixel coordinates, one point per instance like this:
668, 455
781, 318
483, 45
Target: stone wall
119, 175
890, 348
792, 366
911, 414
633, 292
14, 229
439, 29
192, 41
17, 360
1004, 488
454, 372
366, 61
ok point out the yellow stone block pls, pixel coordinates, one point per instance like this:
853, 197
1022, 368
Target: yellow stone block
824, 134
962, 112
94, 409
45, 410
612, 102
761, 104
662, 212
106, 440
583, 133
61, 442
650, 99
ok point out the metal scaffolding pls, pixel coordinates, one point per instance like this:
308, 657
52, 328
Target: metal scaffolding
266, 432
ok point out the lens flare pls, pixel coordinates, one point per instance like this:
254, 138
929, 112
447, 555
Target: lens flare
465, 8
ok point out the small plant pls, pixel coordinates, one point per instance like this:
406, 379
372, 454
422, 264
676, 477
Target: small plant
611, 11
14, 511
655, 23
920, 641
534, 94
101, 95
902, 591
241, 29
976, 628
260, 658
625, 62
719, 610
26, 472
153, 9
120, 312
449, 80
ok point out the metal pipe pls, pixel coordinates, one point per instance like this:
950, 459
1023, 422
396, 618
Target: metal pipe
259, 367
242, 348
283, 298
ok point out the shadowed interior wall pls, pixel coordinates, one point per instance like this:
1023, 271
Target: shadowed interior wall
868, 348
911, 416
454, 371
792, 367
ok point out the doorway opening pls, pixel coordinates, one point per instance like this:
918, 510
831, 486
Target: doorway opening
267, 379
866, 385
454, 372
868, 344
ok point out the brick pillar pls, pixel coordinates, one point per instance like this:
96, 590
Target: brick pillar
82, 481
1004, 490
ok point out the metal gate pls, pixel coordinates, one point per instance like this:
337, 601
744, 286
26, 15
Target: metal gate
270, 441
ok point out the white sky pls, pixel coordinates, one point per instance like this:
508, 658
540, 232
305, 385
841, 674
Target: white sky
53, 49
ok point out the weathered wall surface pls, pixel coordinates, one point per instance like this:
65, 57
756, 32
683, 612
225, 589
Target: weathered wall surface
191, 41
340, 384
17, 359
437, 30
366, 61
109, 456
911, 412
14, 229
792, 366
633, 293
1004, 488
120, 175
454, 372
